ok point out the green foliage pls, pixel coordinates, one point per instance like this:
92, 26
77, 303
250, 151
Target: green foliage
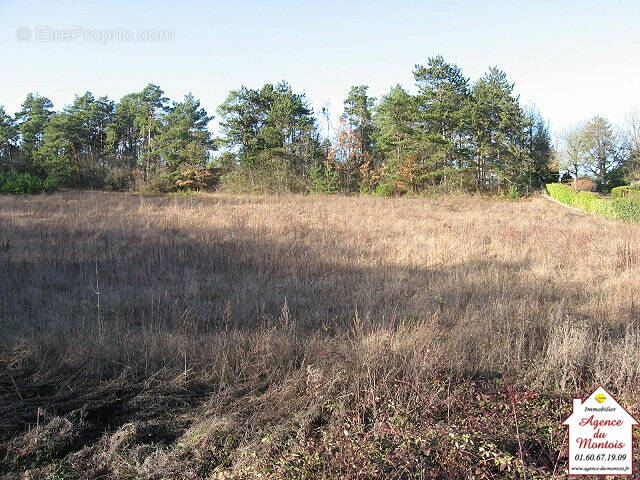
626, 208
512, 194
32, 120
456, 136
625, 191
358, 114
118, 179
9, 157
500, 125
452, 134
393, 178
395, 122
270, 121
13, 182
185, 137
444, 103
386, 187
561, 192
617, 208
323, 178
269, 174
156, 183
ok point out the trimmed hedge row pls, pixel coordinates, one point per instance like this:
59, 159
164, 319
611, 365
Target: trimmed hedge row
626, 191
620, 207
13, 182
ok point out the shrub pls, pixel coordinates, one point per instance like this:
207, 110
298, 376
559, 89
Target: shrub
13, 182
118, 179
156, 184
323, 178
626, 208
617, 207
602, 206
266, 175
192, 177
562, 193
87, 177
584, 200
584, 184
626, 191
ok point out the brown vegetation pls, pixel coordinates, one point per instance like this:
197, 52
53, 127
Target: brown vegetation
585, 184
216, 336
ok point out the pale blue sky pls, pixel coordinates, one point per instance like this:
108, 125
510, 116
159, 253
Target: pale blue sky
573, 59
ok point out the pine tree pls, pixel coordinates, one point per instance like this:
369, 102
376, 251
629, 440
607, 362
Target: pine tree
8, 141
395, 122
397, 140
356, 135
444, 101
272, 121
498, 123
185, 137
539, 151
32, 120
151, 106
358, 114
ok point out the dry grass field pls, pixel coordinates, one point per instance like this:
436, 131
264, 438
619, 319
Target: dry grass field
216, 336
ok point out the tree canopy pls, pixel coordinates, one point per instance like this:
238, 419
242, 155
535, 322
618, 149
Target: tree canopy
448, 132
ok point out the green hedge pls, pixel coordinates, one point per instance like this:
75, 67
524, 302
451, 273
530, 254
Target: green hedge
626, 191
13, 182
617, 207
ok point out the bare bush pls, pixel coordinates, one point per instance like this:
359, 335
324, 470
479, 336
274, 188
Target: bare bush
585, 184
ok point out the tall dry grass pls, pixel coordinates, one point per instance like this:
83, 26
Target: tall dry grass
124, 312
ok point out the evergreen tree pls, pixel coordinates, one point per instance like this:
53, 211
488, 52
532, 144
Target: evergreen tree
289, 125
397, 141
242, 116
185, 137
358, 114
150, 108
32, 120
356, 136
123, 137
273, 121
395, 122
444, 102
498, 124
75, 139
539, 151
8, 141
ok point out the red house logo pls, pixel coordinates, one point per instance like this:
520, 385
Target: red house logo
600, 436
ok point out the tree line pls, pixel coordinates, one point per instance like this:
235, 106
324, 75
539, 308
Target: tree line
595, 150
451, 134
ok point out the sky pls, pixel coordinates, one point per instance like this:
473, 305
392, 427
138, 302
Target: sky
570, 59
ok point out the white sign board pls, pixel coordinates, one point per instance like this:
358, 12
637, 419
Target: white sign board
600, 436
